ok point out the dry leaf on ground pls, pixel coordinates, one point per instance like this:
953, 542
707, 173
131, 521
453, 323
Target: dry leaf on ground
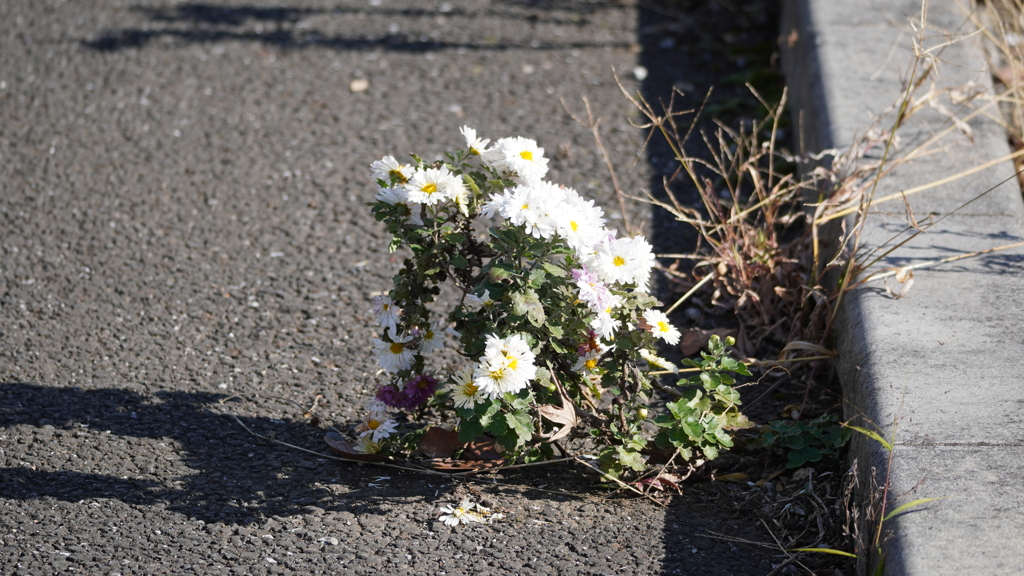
439, 443
695, 339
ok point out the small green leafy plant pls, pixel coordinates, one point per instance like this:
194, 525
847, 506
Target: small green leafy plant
805, 442
708, 410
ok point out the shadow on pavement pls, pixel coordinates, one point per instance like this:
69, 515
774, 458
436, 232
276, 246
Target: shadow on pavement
205, 23
689, 48
229, 475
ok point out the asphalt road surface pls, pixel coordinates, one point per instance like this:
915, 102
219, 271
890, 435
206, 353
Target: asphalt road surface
183, 226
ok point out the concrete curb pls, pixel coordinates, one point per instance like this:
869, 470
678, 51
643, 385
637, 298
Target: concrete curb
943, 362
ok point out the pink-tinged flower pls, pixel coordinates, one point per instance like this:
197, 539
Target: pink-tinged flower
592, 290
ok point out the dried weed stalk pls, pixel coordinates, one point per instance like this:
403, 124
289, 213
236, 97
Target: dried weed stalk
780, 251
1002, 23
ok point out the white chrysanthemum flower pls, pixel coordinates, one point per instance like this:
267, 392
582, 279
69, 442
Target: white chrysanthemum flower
506, 366
366, 445
477, 302
459, 194
465, 393
519, 155
495, 204
385, 312
587, 364
378, 426
432, 185
374, 405
623, 261
659, 325
431, 339
391, 171
399, 196
486, 299
604, 323
453, 516
657, 361
579, 222
477, 146
394, 354
533, 207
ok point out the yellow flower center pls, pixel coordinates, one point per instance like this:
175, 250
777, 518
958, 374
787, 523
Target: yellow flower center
398, 176
429, 335
526, 155
619, 261
591, 364
470, 389
397, 347
429, 188
512, 364
663, 327
497, 374
373, 424
575, 226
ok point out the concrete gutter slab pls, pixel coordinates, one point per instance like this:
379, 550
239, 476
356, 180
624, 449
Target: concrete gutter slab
944, 361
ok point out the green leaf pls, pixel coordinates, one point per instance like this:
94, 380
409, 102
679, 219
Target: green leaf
711, 452
870, 434
631, 459
555, 331
795, 459
692, 428
678, 437
498, 427
469, 430
537, 277
910, 505
500, 272
823, 551
708, 381
527, 304
553, 270
664, 420
471, 182
522, 424
459, 262
735, 366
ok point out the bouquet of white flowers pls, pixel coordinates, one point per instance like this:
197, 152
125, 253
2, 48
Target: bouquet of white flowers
553, 319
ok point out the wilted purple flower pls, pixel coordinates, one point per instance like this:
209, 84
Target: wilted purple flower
389, 395
419, 389
411, 396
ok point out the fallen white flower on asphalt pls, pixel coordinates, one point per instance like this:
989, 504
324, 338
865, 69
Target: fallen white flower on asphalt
467, 512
